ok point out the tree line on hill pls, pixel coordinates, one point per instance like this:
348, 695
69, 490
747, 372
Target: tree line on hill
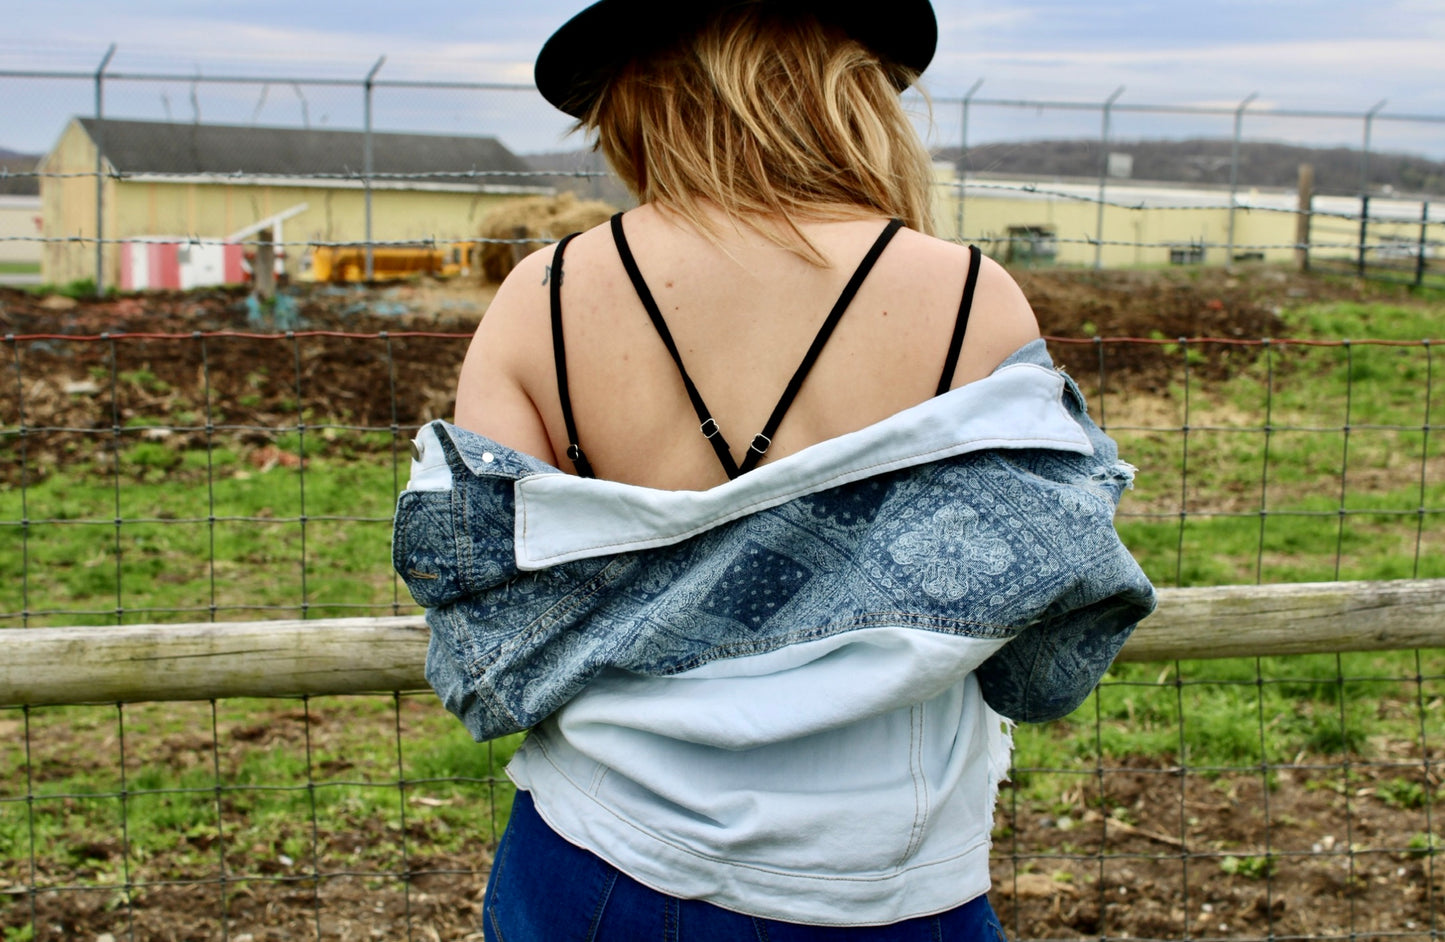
1201, 162
12, 162
1206, 162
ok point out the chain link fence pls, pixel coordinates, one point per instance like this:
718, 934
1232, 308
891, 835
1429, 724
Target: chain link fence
1372, 209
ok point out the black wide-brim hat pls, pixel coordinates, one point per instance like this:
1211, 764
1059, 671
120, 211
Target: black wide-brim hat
575, 64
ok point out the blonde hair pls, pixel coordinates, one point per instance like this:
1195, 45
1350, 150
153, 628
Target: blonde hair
768, 116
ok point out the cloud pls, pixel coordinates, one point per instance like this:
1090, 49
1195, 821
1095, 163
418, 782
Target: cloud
1297, 54
1322, 74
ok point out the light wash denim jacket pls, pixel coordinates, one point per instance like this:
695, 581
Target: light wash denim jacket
984, 513
783, 695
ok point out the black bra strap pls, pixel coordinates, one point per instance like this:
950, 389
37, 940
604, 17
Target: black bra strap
762, 440
760, 443
559, 356
950, 363
709, 425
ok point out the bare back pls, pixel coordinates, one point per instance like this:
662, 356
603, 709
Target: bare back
742, 315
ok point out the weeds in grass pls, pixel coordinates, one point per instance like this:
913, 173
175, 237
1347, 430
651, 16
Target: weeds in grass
278, 787
1251, 868
298, 525
1403, 793
1309, 464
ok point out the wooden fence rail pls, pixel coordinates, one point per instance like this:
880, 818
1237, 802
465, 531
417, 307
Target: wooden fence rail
40, 666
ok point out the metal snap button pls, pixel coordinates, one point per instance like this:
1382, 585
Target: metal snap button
488, 457
416, 451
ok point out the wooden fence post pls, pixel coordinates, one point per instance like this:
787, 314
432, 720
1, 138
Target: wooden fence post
1302, 221
519, 249
263, 272
1423, 246
1364, 234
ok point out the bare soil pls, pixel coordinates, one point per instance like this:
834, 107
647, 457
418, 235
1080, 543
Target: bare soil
228, 362
1140, 849
1140, 853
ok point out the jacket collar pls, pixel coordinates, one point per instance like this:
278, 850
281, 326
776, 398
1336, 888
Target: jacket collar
561, 518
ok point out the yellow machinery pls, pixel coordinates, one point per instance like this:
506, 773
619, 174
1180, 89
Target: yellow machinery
347, 263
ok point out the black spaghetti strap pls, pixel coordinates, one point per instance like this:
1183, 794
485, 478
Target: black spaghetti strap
763, 439
950, 363
709, 426
559, 356
760, 443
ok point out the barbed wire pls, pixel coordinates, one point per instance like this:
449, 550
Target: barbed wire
1155, 204
438, 242
241, 175
424, 242
1142, 206
289, 335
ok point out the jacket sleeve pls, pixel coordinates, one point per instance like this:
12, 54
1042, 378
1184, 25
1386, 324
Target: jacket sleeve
1053, 664
504, 649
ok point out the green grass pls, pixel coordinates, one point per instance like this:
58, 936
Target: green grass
331, 784
1243, 714
19, 268
1328, 503
168, 560
1309, 463
224, 528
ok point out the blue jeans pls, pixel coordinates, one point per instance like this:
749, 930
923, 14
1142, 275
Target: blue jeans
544, 889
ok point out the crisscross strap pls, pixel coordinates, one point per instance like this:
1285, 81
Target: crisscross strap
559, 356
960, 327
709, 427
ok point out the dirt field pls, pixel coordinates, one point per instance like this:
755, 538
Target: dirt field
1141, 852
261, 384
1144, 853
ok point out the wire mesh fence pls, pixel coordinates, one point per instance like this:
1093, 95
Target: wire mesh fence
167, 466
216, 475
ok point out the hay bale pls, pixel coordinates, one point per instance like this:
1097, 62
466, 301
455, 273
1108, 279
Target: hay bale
535, 217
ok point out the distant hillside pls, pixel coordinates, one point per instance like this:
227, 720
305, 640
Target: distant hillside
588, 186
1202, 161
13, 162
1206, 161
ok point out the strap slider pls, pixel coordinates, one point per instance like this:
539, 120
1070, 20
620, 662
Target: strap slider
579, 461
709, 428
760, 444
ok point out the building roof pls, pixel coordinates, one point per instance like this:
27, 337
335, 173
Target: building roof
174, 148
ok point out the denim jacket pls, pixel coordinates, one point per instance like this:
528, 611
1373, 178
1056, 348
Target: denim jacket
888, 593
986, 512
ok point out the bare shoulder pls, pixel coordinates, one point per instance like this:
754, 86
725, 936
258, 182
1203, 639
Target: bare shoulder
502, 366
1000, 319
1001, 322
1004, 301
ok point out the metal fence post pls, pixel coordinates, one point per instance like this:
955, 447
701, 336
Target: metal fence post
1103, 175
1365, 151
961, 171
367, 168
1234, 173
100, 171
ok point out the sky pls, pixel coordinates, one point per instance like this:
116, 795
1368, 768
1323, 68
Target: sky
1293, 55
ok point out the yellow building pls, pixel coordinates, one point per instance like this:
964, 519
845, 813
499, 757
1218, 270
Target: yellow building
1024, 222
213, 183
19, 223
